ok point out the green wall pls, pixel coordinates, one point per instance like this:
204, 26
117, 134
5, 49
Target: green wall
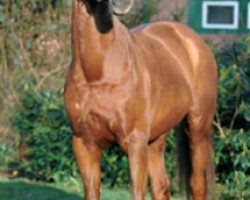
195, 18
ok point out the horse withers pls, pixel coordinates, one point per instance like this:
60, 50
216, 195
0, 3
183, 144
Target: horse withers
131, 88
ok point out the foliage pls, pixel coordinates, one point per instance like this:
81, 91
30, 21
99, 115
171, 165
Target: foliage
141, 13
232, 159
232, 154
32, 47
232, 144
45, 136
236, 188
115, 167
6, 154
14, 10
234, 84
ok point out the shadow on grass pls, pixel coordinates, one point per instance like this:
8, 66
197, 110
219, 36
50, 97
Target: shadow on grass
19, 190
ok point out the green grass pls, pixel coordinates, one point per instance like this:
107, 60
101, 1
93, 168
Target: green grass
22, 189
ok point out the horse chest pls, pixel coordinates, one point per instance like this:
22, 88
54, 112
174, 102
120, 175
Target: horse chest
96, 114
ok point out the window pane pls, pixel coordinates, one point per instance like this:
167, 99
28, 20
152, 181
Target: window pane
220, 15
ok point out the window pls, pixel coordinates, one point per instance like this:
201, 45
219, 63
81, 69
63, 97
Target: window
220, 14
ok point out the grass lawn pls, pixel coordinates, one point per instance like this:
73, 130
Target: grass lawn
22, 189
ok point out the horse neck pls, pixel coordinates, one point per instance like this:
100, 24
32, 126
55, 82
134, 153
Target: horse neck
89, 46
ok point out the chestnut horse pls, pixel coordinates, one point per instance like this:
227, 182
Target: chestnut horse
131, 88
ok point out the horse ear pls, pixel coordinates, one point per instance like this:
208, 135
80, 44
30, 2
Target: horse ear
122, 7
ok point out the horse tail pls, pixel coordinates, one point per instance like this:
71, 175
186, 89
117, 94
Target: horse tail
185, 164
183, 158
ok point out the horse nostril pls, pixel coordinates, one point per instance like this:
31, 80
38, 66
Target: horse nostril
121, 7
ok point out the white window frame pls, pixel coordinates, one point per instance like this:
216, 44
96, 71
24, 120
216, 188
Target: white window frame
248, 16
207, 25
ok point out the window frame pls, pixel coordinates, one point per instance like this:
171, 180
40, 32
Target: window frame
234, 25
248, 15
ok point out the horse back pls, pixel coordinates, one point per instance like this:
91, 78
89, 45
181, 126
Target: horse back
178, 44
174, 51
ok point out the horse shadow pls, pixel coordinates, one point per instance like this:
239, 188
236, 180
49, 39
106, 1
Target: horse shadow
20, 190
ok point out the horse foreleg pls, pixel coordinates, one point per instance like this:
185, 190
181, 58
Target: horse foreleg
159, 181
138, 161
88, 160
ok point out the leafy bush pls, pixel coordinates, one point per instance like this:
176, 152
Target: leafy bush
6, 155
234, 84
115, 167
232, 144
45, 136
233, 115
232, 154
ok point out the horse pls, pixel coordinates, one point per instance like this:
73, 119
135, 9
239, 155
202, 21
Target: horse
130, 87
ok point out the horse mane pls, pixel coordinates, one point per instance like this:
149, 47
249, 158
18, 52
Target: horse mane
102, 14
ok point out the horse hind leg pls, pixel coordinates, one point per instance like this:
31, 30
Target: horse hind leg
159, 181
195, 153
199, 141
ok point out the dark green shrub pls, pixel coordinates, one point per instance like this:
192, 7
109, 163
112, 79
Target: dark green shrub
115, 167
233, 106
232, 159
45, 136
232, 154
232, 144
234, 84
6, 155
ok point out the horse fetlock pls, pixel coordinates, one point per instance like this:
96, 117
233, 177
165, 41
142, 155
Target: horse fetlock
198, 187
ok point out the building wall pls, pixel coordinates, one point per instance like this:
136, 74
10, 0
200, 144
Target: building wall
195, 18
